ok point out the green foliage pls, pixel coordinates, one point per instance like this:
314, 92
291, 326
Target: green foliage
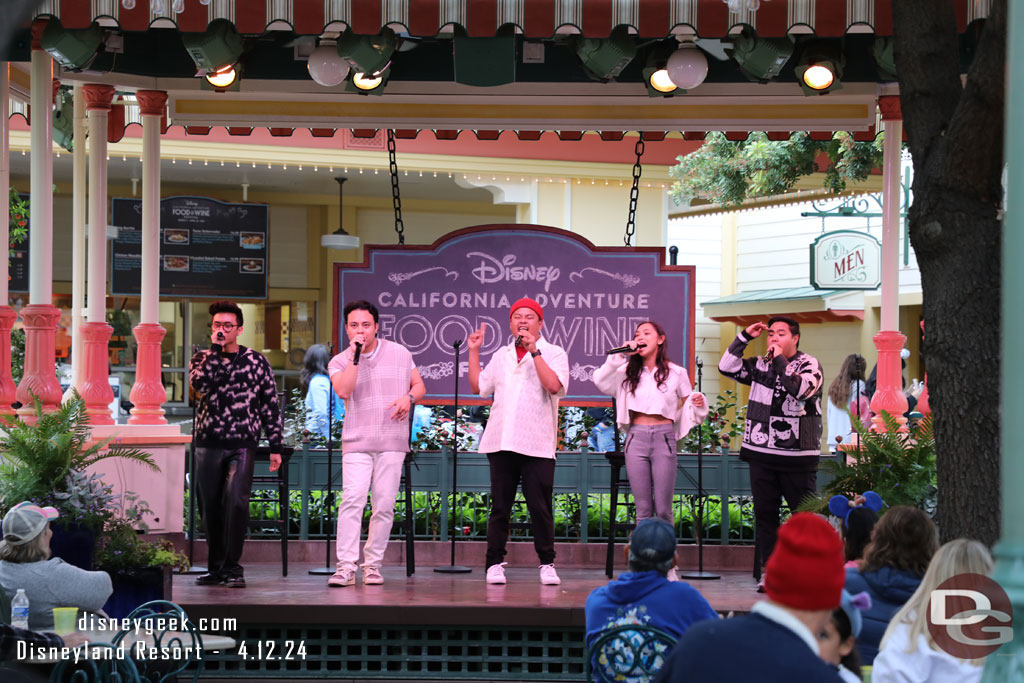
122, 546
724, 423
17, 219
45, 462
17, 354
725, 173
574, 428
898, 466
438, 434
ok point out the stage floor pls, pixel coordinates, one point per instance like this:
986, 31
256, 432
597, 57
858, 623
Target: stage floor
426, 597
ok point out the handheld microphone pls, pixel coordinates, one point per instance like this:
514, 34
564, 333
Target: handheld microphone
519, 340
355, 355
624, 349
220, 336
770, 355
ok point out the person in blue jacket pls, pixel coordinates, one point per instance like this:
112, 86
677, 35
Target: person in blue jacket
317, 388
644, 595
895, 560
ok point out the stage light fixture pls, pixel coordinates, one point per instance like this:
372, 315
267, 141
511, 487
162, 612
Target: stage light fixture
368, 84
761, 59
660, 81
655, 74
325, 66
71, 48
885, 62
217, 47
605, 58
368, 54
63, 121
687, 67
223, 78
820, 68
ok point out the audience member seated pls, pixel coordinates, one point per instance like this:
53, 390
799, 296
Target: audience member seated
909, 654
644, 595
840, 635
25, 562
858, 517
602, 437
902, 545
777, 642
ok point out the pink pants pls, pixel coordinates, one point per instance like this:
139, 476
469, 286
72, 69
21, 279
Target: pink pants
361, 473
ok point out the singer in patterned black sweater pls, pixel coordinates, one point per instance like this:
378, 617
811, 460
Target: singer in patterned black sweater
782, 435
237, 399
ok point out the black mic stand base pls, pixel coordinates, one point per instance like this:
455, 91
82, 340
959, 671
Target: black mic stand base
699, 576
453, 569
322, 571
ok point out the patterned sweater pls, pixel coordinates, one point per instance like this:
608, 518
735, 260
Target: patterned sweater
784, 412
238, 398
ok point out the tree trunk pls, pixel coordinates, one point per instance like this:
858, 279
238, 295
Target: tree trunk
955, 136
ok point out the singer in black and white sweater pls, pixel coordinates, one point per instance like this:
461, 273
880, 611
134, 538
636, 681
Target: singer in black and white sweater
782, 434
237, 399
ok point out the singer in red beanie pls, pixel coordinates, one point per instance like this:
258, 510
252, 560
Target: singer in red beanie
526, 378
777, 642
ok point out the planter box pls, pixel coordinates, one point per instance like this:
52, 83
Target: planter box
136, 587
75, 544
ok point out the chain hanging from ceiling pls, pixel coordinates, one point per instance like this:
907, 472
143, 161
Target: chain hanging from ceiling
634, 193
396, 197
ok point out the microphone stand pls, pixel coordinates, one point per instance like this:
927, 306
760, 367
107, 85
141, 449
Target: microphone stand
192, 568
454, 568
328, 568
700, 574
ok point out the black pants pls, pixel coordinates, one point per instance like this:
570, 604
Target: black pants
224, 480
768, 486
538, 477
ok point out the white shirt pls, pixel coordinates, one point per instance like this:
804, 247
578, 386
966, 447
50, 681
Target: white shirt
524, 416
923, 663
672, 400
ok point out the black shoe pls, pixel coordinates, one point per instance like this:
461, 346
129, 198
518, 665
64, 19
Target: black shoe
210, 579
235, 582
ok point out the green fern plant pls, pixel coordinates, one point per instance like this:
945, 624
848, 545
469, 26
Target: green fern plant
898, 466
45, 462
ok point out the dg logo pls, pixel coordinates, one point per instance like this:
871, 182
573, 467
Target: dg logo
970, 616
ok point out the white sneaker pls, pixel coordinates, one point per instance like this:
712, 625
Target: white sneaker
496, 573
548, 575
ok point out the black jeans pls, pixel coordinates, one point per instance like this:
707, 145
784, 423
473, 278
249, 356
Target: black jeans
538, 477
768, 486
224, 481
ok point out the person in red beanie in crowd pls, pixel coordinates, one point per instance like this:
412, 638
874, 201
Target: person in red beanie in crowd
777, 642
526, 378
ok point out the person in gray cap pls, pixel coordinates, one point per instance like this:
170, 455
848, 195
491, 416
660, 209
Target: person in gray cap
644, 595
49, 582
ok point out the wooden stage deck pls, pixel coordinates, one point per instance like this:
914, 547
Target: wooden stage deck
426, 597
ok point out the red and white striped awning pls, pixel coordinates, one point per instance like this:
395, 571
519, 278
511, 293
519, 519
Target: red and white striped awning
533, 18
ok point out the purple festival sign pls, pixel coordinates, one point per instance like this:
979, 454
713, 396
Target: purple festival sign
593, 299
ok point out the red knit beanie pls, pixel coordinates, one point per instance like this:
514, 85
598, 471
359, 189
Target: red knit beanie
805, 570
526, 302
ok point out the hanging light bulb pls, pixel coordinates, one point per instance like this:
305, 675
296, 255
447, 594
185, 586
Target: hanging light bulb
325, 66
178, 6
159, 6
687, 67
128, 4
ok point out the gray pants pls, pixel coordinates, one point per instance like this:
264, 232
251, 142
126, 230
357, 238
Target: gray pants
651, 467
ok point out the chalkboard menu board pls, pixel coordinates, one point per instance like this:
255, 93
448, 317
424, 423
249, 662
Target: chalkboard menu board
207, 248
19, 260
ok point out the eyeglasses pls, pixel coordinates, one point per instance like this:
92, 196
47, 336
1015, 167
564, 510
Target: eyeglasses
227, 327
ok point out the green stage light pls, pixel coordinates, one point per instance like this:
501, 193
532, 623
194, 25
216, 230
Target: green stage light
884, 60
605, 58
820, 68
367, 54
72, 49
484, 62
64, 121
761, 59
217, 47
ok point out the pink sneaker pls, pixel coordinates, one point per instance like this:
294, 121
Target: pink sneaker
496, 573
342, 577
548, 575
372, 577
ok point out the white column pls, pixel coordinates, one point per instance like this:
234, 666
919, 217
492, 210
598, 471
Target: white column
78, 211
150, 219
97, 262
5, 173
40, 254
891, 194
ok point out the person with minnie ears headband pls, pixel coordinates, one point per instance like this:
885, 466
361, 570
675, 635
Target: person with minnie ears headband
655, 402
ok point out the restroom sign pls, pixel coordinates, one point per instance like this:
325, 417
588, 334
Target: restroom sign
846, 259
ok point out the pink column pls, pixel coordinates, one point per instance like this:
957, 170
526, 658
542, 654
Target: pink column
148, 392
94, 385
40, 316
7, 314
889, 341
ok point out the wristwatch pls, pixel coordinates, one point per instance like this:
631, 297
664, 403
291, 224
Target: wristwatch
535, 353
